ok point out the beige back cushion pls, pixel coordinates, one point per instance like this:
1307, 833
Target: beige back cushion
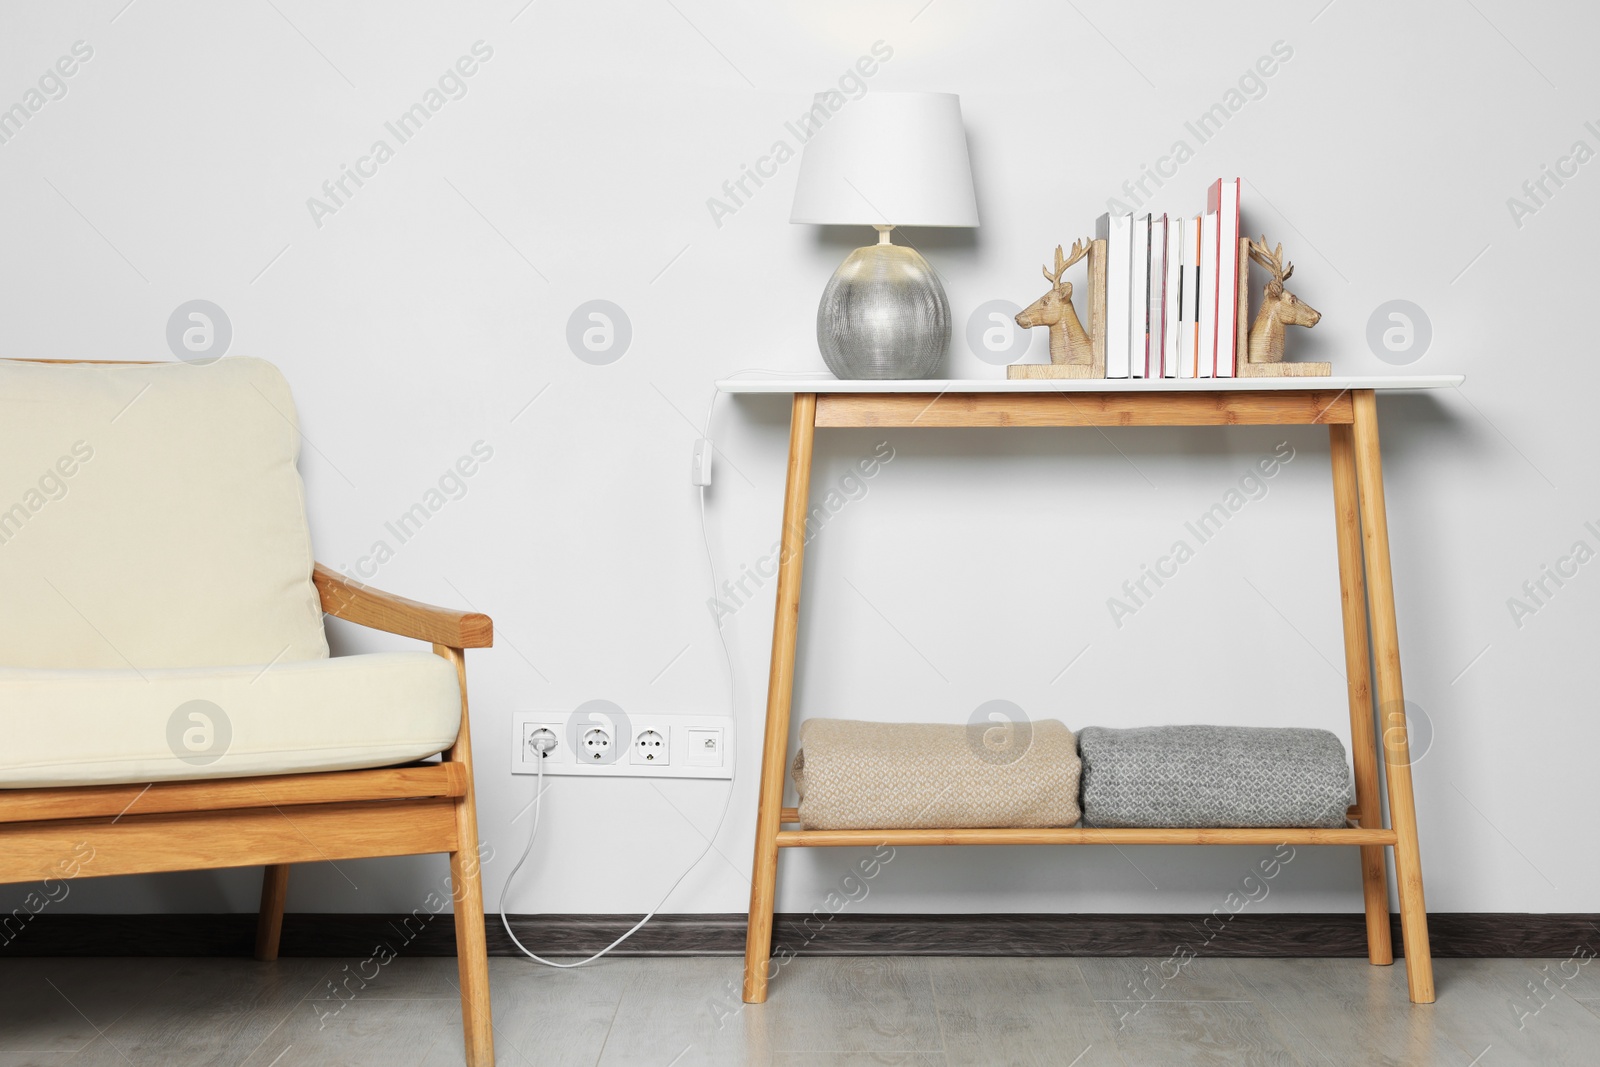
152, 516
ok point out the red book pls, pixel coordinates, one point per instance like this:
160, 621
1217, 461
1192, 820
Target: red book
1222, 200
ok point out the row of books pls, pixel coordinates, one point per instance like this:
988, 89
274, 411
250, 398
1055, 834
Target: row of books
1171, 290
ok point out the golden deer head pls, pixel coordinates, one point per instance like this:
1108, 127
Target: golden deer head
1069, 344
1048, 309
1284, 306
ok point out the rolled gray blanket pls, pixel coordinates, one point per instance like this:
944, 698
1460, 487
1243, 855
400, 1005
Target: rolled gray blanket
1200, 776
890, 776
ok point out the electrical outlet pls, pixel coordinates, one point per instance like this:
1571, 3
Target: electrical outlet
532, 733
543, 740
595, 744
598, 744
652, 747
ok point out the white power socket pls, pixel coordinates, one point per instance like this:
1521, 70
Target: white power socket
660, 746
652, 748
534, 737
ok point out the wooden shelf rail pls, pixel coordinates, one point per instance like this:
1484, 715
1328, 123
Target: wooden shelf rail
1088, 835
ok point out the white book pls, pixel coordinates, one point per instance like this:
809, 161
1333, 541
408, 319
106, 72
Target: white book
1170, 300
1189, 297
1117, 232
1207, 322
1139, 299
1223, 199
1158, 283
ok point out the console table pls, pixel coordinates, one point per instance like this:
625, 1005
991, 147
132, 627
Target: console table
1347, 406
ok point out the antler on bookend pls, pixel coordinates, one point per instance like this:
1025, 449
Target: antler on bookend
1071, 348
1279, 309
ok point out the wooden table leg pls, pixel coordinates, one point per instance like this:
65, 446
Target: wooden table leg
1391, 698
1358, 673
780, 690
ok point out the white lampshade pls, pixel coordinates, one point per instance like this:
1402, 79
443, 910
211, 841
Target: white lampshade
887, 159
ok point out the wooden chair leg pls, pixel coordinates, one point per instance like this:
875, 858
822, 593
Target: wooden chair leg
472, 955
780, 690
1391, 698
472, 950
1358, 673
269, 924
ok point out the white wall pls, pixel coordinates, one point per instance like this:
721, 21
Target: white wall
427, 312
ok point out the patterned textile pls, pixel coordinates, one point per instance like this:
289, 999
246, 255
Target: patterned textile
880, 776
1213, 776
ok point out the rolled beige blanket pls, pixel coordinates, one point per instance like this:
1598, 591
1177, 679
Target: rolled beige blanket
891, 776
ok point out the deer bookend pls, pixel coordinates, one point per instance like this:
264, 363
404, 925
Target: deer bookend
1069, 343
1279, 309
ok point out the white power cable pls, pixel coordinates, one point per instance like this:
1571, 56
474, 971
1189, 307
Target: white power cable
733, 771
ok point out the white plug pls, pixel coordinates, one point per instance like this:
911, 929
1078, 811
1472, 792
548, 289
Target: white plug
543, 741
700, 470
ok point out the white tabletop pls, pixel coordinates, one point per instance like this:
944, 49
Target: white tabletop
829, 384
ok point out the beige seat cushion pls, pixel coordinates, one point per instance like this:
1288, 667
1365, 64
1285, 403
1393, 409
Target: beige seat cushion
91, 727
152, 516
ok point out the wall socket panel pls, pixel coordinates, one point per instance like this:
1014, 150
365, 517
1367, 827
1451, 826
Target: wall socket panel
658, 746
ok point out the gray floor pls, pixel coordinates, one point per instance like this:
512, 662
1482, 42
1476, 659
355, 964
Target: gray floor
909, 1010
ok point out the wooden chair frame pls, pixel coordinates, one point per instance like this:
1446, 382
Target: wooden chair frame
285, 819
1366, 588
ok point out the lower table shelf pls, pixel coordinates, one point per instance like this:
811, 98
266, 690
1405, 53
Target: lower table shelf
1086, 835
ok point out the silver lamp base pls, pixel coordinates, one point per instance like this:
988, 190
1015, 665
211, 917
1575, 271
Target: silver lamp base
884, 315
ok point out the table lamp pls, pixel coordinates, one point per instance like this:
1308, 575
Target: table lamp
885, 160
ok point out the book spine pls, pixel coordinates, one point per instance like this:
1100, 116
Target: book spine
1173, 286
1207, 319
1235, 312
1119, 255
1158, 285
1186, 298
1227, 199
1139, 299
1193, 354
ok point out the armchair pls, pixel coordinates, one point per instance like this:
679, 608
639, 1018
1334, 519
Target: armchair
170, 569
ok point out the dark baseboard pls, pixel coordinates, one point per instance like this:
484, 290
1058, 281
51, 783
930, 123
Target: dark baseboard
1504, 934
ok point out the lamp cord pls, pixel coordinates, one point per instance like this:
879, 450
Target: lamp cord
733, 757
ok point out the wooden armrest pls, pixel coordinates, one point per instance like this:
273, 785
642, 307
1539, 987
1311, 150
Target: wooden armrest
344, 598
